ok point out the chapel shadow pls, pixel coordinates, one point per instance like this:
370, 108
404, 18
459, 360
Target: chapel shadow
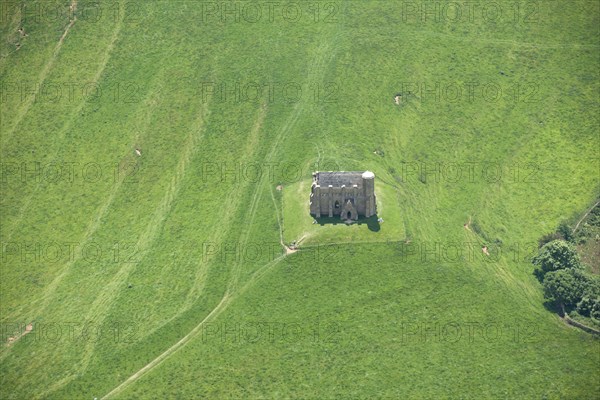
371, 222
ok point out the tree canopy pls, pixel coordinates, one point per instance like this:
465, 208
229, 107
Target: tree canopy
554, 256
565, 286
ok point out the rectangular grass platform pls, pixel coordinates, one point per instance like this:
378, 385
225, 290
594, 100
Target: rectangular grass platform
299, 226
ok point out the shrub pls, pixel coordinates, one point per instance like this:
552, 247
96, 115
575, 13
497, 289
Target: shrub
548, 238
587, 304
595, 313
565, 231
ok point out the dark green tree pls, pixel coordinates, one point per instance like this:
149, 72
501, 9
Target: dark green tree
554, 256
566, 286
593, 288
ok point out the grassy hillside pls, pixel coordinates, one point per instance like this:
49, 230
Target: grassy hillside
162, 275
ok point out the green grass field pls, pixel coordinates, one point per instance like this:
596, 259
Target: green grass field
163, 276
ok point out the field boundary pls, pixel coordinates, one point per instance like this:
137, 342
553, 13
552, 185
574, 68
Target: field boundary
583, 327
